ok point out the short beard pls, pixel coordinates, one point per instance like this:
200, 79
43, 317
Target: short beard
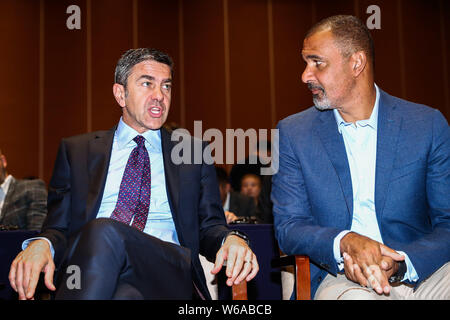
323, 103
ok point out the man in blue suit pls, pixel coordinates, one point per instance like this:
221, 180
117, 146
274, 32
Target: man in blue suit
363, 186
121, 210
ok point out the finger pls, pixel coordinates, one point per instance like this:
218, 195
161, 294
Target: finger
236, 268
12, 275
220, 259
32, 281
386, 251
19, 281
348, 267
255, 268
246, 268
382, 280
375, 278
230, 262
359, 276
49, 273
27, 269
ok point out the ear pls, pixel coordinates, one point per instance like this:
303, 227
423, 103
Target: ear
3, 160
358, 62
119, 94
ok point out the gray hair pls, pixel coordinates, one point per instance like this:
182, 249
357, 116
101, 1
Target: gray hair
134, 56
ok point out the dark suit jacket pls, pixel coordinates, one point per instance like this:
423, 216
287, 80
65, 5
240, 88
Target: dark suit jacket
25, 204
312, 191
240, 205
78, 182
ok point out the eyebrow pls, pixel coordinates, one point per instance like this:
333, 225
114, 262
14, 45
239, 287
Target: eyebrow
313, 57
145, 76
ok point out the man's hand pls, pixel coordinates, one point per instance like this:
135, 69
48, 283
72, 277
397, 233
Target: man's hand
230, 216
27, 267
241, 262
369, 262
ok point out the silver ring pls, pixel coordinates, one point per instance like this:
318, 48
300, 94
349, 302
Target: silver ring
248, 261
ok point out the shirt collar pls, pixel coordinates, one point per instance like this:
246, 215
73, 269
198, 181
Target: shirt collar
5, 185
226, 205
125, 135
371, 122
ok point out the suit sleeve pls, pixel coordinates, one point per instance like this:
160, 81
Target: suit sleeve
213, 226
433, 250
296, 228
37, 210
56, 225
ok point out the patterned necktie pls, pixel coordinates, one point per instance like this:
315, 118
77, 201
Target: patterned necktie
134, 192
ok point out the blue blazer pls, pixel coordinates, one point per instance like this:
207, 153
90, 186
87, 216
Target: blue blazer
312, 191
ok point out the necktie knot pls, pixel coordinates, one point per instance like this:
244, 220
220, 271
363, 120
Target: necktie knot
139, 140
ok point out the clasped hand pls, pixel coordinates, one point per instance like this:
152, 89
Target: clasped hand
369, 262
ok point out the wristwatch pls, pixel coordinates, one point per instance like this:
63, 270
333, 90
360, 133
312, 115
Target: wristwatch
240, 235
400, 274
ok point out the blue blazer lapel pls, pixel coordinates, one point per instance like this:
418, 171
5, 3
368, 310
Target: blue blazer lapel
389, 124
326, 129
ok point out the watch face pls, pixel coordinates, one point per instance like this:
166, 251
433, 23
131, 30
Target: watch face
394, 279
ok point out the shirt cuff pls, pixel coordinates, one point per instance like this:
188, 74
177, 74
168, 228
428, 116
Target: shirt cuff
411, 273
337, 249
27, 242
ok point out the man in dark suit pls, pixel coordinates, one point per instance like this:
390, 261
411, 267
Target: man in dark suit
235, 205
120, 210
364, 178
23, 203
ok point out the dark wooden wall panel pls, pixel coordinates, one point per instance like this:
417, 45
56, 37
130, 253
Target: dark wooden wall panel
423, 61
291, 20
388, 46
65, 78
249, 63
237, 63
325, 8
112, 28
445, 25
158, 28
204, 71
19, 109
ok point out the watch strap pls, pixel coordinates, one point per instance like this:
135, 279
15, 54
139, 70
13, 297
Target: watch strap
400, 274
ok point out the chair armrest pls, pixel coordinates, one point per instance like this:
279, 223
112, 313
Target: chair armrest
302, 273
239, 291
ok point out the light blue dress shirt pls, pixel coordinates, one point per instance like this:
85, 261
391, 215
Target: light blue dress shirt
360, 139
160, 223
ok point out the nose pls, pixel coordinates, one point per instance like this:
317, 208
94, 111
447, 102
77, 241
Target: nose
157, 94
307, 75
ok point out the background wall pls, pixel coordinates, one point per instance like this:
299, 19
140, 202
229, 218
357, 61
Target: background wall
238, 63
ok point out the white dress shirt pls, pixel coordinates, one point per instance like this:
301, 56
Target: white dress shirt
4, 190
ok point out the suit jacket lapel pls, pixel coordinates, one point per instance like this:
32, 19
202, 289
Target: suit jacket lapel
172, 175
8, 198
389, 123
326, 129
99, 155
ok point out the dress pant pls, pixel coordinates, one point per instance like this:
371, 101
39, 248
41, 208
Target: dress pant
117, 261
435, 287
